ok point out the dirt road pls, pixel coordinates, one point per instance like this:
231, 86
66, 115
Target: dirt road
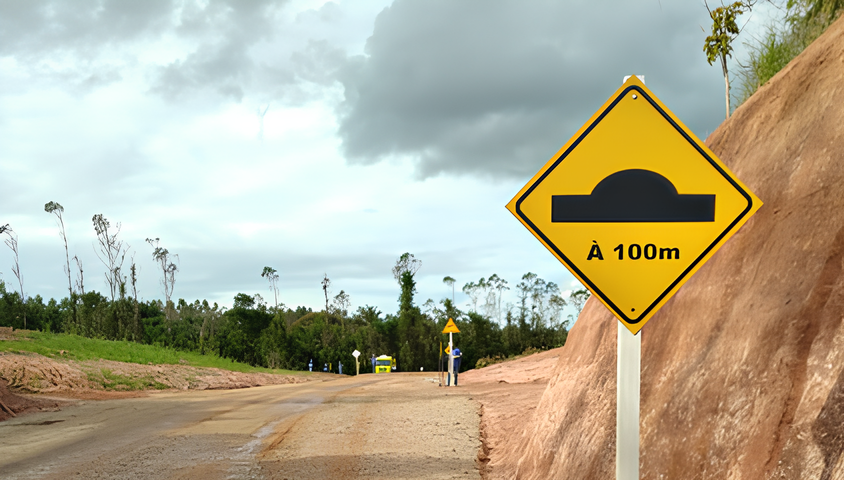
397, 426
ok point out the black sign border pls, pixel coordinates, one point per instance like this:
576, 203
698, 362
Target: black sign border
616, 310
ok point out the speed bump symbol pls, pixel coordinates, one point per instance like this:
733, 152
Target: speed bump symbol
633, 195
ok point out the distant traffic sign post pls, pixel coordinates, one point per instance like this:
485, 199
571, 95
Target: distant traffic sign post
356, 354
633, 205
450, 328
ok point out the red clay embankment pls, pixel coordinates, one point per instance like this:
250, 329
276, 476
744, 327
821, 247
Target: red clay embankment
743, 370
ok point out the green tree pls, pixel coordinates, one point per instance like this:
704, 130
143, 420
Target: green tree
479, 337
450, 282
273, 343
719, 44
417, 336
407, 262
577, 299
242, 330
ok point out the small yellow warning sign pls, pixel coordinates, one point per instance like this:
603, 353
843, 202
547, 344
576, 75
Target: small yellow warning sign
450, 327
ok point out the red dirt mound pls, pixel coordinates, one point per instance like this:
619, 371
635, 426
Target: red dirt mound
743, 370
12, 405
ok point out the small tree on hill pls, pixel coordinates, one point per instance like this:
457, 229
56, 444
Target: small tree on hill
169, 269
719, 45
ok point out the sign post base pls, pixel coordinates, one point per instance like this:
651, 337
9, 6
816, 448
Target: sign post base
628, 376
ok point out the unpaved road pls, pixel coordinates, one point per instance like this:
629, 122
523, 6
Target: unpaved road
396, 426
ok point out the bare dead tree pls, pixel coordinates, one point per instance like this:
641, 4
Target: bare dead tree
341, 306
272, 276
325, 284
112, 252
56, 209
133, 278
12, 243
80, 276
167, 262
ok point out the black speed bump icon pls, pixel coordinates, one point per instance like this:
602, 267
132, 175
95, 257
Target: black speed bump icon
633, 195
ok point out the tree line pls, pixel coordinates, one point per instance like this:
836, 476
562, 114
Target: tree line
277, 336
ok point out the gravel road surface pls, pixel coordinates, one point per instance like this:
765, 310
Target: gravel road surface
393, 426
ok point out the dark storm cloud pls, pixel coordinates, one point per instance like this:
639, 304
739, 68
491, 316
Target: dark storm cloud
33, 28
220, 38
496, 88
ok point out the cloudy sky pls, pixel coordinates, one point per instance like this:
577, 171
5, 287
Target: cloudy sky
388, 127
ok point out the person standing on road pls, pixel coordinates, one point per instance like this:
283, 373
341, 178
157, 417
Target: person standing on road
456, 353
373, 363
311, 365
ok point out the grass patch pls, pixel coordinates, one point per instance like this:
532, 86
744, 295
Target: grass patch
805, 21
492, 360
82, 348
113, 381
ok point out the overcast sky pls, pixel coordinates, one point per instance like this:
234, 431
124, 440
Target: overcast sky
390, 127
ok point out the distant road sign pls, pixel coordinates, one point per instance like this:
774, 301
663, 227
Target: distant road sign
356, 354
633, 204
450, 327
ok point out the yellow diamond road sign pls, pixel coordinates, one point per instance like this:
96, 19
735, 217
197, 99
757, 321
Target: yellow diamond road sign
633, 204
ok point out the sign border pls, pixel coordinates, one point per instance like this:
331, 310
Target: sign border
645, 313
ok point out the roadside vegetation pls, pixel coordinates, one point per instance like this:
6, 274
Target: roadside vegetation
109, 380
254, 336
783, 39
64, 345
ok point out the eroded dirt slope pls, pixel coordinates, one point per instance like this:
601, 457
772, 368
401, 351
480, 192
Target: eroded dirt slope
30, 373
508, 394
743, 370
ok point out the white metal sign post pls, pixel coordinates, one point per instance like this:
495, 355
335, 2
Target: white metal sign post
356, 354
628, 375
450, 329
628, 378
450, 360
